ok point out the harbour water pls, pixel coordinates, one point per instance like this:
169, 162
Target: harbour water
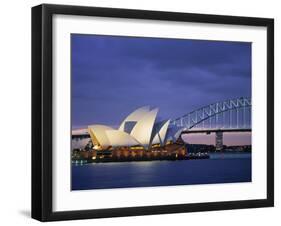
220, 168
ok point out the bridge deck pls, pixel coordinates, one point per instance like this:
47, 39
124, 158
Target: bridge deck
216, 130
80, 136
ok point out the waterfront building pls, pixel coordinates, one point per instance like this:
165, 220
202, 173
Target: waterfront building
139, 130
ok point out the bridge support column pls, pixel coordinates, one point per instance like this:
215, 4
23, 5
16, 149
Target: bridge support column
219, 141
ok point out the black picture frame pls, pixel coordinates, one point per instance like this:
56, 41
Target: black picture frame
42, 107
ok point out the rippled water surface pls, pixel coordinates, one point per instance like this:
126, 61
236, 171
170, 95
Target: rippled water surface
218, 169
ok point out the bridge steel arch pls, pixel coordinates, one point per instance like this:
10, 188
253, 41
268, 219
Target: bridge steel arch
193, 118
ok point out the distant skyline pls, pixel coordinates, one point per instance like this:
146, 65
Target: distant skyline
228, 138
114, 75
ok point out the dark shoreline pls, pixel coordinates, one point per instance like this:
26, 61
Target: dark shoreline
191, 156
142, 159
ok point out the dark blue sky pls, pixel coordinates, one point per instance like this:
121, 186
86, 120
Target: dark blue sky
112, 76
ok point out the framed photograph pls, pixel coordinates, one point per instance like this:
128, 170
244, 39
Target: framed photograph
145, 112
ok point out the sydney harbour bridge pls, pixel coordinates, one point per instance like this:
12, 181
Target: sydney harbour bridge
233, 115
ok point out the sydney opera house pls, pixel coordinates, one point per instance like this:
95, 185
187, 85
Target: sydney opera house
140, 128
140, 135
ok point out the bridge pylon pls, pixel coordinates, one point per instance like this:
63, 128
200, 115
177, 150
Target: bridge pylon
219, 141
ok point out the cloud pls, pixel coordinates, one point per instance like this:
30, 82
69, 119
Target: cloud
111, 76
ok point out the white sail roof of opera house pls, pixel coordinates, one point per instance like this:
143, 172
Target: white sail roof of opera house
138, 129
143, 129
99, 136
120, 138
134, 117
161, 131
